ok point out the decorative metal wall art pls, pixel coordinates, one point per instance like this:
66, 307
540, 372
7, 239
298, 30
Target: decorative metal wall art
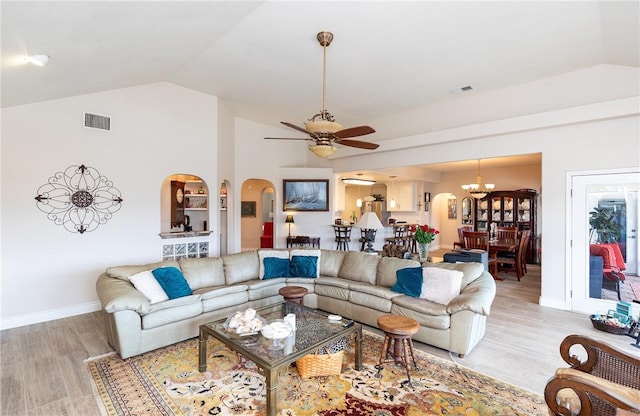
79, 199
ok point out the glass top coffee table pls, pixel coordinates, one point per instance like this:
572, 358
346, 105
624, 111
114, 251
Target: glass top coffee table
314, 330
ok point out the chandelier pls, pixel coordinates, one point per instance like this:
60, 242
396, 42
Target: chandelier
477, 190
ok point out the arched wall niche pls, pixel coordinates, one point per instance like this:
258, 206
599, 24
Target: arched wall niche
185, 203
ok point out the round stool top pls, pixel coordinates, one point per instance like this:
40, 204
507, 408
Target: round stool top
398, 325
293, 291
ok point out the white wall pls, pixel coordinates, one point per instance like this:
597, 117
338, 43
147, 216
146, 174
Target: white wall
157, 130
162, 129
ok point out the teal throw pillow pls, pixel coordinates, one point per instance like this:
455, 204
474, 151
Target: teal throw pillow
304, 266
276, 267
409, 281
172, 282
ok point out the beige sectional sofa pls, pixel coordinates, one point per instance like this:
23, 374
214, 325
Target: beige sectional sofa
353, 284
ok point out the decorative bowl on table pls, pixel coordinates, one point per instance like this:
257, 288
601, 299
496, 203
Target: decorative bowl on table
276, 330
244, 323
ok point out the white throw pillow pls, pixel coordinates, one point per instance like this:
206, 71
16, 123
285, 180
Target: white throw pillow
300, 252
146, 283
440, 285
262, 254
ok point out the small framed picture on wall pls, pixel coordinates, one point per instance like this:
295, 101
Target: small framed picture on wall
452, 208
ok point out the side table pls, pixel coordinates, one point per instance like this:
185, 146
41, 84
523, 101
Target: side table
294, 294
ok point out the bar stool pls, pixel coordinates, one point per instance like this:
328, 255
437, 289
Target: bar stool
398, 331
343, 236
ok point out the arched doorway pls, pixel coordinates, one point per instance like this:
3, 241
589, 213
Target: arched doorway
257, 207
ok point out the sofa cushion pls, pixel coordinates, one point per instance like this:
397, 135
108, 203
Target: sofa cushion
219, 291
471, 271
313, 256
409, 281
172, 311
304, 266
269, 254
241, 267
440, 285
275, 267
387, 268
330, 262
203, 271
123, 272
146, 283
172, 281
360, 267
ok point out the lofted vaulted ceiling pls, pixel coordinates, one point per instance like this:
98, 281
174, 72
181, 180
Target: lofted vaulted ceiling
262, 58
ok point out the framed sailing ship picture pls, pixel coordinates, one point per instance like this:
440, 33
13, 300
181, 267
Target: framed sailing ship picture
305, 194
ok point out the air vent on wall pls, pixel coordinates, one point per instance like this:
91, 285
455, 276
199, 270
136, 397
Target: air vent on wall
95, 121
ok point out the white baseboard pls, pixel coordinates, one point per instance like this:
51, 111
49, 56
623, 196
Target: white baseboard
50, 315
553, 303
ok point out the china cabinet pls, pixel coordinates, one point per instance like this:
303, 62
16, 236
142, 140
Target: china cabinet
509, 209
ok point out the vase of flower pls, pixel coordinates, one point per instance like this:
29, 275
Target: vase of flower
423, 234
423, 250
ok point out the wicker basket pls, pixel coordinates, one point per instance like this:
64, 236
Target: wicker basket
612, 329
314, 365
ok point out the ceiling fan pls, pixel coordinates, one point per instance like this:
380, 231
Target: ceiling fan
322, 128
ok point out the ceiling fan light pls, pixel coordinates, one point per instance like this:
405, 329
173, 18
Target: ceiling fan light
323, 150
322, 126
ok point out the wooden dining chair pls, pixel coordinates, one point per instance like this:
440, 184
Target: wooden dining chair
460, 242
480, 240
507, 233
516, 260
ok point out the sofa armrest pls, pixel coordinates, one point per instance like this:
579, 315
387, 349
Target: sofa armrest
477, 296
118, 295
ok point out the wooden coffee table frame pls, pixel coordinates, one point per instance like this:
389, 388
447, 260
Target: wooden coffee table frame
271, 366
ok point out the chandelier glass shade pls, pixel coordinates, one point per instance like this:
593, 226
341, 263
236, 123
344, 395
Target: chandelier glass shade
478, 190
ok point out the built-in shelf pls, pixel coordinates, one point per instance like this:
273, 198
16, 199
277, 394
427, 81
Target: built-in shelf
181, 234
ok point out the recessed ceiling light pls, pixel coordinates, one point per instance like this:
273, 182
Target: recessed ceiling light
39, 60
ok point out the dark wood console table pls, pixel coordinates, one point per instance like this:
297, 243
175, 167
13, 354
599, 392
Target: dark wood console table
303, 240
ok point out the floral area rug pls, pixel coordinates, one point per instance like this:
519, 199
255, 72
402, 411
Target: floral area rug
167, 382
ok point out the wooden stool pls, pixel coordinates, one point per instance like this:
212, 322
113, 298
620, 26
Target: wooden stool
294, 294
398, 329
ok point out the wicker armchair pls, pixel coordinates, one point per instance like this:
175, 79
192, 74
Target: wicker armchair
603, 382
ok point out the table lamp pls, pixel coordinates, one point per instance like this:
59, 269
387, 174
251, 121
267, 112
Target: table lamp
370, 223
289, 220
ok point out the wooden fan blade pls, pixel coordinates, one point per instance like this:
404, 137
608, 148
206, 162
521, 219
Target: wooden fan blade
293, 126
286, 138
354, 132
357, 143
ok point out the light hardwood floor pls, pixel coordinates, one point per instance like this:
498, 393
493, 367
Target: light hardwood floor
43, 370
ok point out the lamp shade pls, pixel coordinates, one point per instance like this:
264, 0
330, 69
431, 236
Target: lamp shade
289, 219
369, 221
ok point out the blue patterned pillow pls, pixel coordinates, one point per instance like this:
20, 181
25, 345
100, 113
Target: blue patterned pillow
304, 266
275, 267
409, 281
172, 282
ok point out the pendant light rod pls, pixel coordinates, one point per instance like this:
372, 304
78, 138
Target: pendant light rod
325, 39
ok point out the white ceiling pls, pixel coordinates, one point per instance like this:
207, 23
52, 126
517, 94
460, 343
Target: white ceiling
263, 59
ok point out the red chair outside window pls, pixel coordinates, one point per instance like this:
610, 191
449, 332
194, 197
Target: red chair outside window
613, 264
